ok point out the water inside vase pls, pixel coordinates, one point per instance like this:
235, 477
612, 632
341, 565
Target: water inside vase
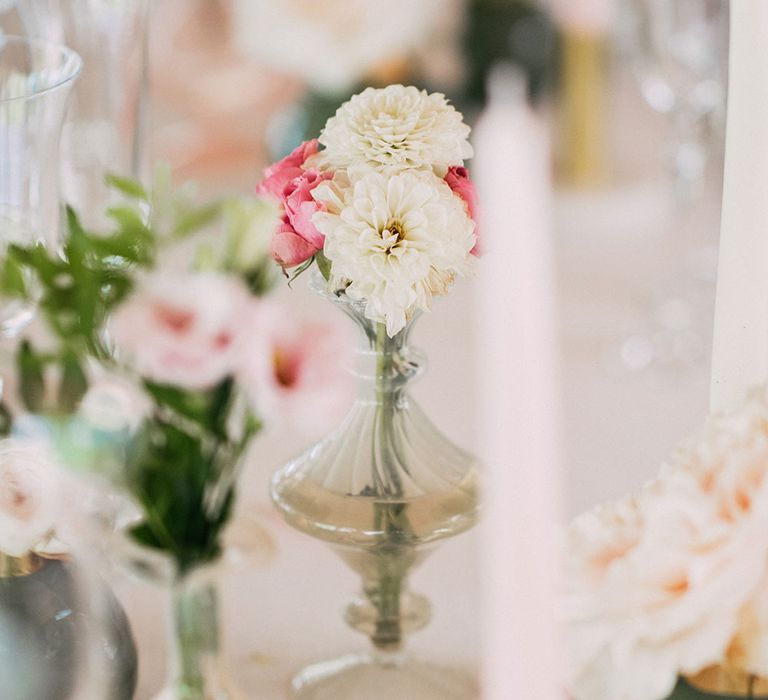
351, 520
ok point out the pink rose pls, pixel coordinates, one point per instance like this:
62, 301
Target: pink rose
297, 239
280, 174
182, 329
300, 207
29, 496
288, 249
296, 371
458, 180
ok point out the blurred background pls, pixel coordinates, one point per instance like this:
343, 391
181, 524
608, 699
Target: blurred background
633, 93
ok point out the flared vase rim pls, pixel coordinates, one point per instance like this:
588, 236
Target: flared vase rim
318, 284
69, 59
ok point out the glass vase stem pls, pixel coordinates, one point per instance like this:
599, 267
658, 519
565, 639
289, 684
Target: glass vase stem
196, 636
384, 593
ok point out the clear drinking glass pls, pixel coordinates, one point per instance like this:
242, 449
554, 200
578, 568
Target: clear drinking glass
106, 128
382, 491
36, 78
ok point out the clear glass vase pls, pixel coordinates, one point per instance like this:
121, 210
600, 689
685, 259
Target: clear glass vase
36, 78
63, 634
197, 667
106, 129
382, 490
196, 670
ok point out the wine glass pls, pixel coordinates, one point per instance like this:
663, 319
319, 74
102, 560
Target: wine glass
105, 131
678, 52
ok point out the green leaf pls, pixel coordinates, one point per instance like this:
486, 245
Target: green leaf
73, 384
127, 186
145, 535
128, 219
301, 268
197, 219
12, 282
171, 473
323, 264
6, 420
208, 409
685, 691
30, 370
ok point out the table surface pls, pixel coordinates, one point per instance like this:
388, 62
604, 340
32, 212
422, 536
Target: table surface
622, 250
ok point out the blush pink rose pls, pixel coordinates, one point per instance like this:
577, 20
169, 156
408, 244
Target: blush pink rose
297, 239
296, 371
280, 174
300, 207
183, 330
458, 180
288, 249
29, 496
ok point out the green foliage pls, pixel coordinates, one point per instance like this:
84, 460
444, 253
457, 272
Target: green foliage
73, 384
171, 475
323, 264
130, 188
685, 691
180, 464
519, 32
182, 471
30, 367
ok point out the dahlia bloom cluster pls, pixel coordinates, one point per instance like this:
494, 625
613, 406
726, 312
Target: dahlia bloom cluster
385, 207
675, 580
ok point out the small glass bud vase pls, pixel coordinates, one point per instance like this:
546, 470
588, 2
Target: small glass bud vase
196, 670
382, 490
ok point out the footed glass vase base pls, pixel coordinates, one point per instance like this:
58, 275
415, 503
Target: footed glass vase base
372, 677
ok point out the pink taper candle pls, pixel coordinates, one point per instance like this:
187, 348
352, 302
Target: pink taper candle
518, 406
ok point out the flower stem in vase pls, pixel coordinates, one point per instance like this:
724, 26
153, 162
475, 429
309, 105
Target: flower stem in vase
196, 671
389, 519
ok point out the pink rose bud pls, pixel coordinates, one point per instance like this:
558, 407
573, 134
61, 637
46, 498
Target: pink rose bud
300, 207
458, 180
280, 174
288, 249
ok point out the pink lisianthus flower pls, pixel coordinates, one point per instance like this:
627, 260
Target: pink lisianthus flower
458, 180
297, 239
278, 175
298, 372
182, 329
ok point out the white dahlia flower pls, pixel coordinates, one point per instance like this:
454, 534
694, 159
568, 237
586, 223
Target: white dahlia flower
395, 128
395, 241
